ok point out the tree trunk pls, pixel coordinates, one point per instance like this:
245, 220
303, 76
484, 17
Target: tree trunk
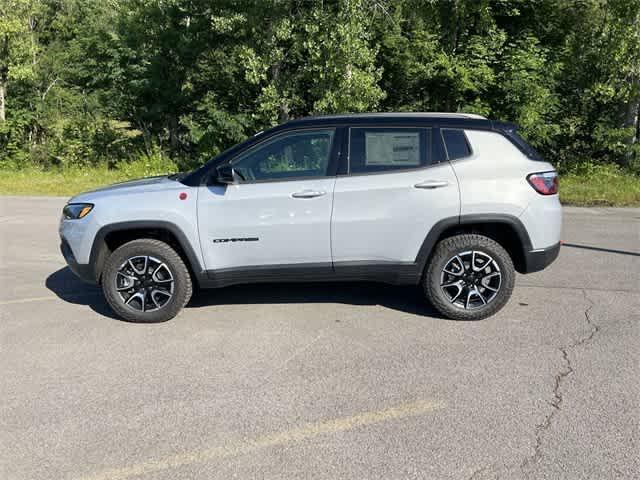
632, 114
3, 93
283, 111
637, 139
4, 75
173, 132
283, 105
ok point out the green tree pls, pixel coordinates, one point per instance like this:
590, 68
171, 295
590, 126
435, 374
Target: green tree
87, 81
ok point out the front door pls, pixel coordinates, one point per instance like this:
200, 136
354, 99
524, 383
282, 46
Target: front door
279, 212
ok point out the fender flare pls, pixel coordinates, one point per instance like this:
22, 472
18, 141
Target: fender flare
100, 251
471, 219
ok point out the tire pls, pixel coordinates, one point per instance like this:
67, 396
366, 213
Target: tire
160, 286
460, 292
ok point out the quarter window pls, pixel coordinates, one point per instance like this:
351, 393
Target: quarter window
382, 149
456, 143
293, 155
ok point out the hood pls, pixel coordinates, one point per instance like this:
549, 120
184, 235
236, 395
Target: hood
140, 182
132, 186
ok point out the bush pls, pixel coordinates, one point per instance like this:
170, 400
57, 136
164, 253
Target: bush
589, 183
146, 165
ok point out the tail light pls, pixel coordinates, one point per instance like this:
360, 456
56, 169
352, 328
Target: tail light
545, 183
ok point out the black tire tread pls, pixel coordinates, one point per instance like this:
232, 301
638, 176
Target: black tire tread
148, 246
444, 250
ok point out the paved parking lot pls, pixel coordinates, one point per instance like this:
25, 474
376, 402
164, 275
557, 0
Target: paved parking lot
322, 381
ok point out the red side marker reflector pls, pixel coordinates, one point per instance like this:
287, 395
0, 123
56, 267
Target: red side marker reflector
182, 196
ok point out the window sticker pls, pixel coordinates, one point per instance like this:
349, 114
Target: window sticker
392, 148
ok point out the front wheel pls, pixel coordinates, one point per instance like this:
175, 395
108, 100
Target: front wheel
146, 281
469, 277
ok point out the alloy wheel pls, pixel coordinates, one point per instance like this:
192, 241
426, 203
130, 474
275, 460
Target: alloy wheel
470, 279
144, 283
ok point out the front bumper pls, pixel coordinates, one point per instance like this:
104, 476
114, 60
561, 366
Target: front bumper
536, 260
86, 273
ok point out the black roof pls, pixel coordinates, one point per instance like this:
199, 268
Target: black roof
454, 120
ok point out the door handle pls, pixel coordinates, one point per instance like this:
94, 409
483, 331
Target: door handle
432, 184
308, 194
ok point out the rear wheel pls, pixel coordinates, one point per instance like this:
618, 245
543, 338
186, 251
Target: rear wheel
145, 280
470, 277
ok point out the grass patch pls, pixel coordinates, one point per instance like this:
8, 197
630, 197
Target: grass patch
73, 180
600, 185
58, 183
586, 185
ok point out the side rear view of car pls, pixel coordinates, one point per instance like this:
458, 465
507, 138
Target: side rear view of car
455, 203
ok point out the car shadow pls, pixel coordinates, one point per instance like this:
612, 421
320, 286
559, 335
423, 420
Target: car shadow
71, 289
406, 299
600, 249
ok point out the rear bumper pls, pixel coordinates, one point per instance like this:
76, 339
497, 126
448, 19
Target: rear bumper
85, 273
536, 260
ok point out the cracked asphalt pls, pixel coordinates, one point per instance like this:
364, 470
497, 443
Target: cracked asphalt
322, 381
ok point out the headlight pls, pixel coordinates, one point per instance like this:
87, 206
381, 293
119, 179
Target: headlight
74, 211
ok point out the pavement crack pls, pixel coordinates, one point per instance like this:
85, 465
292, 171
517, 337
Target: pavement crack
557, 399
587, 316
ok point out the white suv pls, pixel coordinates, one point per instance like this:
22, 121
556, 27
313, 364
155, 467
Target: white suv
453, 202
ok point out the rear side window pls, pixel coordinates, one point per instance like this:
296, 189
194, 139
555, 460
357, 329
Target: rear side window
456, 143
382, 149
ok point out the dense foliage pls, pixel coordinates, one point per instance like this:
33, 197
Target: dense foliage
94, 81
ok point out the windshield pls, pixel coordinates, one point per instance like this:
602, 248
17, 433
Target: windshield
193, 177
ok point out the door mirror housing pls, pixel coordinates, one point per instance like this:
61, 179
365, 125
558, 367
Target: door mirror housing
225, 174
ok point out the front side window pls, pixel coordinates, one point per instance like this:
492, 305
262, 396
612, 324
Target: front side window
456, 143
297, 154
382, 149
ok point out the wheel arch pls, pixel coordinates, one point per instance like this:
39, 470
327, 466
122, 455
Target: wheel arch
505, 229
112, 236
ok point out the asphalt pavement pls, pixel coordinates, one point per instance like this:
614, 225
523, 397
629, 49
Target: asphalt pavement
353, 381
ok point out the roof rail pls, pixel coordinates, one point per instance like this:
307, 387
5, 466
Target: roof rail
397, 114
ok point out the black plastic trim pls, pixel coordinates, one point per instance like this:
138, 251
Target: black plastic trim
472, 219
83, 272
306, 272
536, 260
100, 250
384, 272
343, 159
511, 220
430, 240
395, 273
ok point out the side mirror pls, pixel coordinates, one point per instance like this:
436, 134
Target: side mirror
225, 174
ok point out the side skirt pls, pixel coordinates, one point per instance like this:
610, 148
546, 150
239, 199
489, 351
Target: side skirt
383, 272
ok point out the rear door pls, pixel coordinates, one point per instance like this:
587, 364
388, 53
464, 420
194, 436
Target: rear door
398, 186
279, 214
